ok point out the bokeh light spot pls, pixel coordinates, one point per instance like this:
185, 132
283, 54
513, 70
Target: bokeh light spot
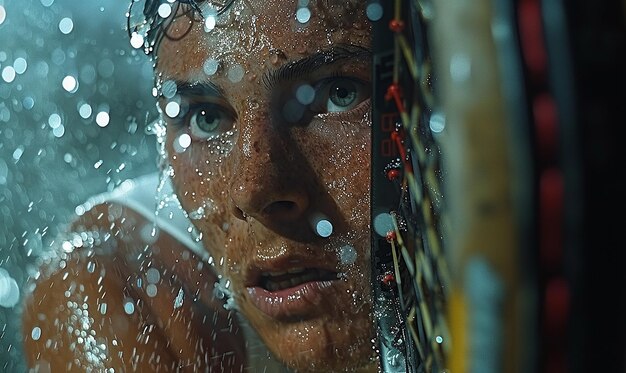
102, 119
66, 25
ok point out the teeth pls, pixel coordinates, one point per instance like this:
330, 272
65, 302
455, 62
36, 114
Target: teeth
289, 271
273, 286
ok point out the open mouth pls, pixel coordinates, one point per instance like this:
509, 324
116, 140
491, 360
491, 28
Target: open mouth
276, 281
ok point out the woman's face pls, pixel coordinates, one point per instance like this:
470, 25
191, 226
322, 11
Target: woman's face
268, 134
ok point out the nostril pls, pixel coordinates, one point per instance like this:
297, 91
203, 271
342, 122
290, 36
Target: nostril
236, 211
282, 209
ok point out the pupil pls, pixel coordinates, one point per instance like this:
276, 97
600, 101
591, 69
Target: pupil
343, 94
208, 122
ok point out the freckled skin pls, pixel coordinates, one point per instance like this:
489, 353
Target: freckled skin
271, 164
321, 166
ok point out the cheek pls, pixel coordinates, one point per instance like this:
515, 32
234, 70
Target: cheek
200, 178
344, 167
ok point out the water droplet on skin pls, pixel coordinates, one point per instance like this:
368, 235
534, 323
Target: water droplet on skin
347, 255
254, 104
235, 73
197, 213
153, 276
151, 290
210, 66
178, 302
276, 56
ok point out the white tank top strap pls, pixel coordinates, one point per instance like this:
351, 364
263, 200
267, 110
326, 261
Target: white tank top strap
140, 195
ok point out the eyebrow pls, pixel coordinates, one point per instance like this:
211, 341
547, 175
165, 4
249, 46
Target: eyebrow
201, 88
292, 70
309, 64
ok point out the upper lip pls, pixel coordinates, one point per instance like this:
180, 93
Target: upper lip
285, 263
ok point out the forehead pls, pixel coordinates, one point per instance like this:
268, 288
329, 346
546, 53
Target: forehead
257, 33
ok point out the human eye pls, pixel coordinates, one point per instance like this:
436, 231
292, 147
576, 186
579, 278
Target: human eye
339, 94
208, 120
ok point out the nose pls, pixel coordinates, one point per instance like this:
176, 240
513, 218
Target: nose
268, 182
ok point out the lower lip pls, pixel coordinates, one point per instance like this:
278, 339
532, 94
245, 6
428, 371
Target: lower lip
297, 301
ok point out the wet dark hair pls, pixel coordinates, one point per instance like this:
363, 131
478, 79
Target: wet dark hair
153, 28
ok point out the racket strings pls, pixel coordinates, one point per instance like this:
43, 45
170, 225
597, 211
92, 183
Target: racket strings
417, 244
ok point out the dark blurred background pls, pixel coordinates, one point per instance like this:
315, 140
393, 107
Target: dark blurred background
74, 98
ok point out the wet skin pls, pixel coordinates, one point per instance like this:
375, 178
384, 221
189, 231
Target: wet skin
262, 167
262, 174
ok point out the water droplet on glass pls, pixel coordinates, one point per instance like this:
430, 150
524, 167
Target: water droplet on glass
102, 119
165, 10
383, 223
85, 110
303, 15
136, 40
8, 74
28, 103
106, 67
54, 120
91, 267
169, 89
305, 94
3, 14
70, 84
374, 11
129, 307
182, 143
209, 23
293, 111
9, 290
323, 227
66, 25
172, 109
437, 122
36, 333
20, 65
59, 131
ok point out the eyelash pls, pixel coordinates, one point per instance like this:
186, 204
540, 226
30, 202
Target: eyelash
315, 107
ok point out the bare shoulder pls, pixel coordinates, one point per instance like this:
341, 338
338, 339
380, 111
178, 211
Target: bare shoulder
120, 294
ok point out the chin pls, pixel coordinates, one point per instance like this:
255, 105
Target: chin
337, 342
